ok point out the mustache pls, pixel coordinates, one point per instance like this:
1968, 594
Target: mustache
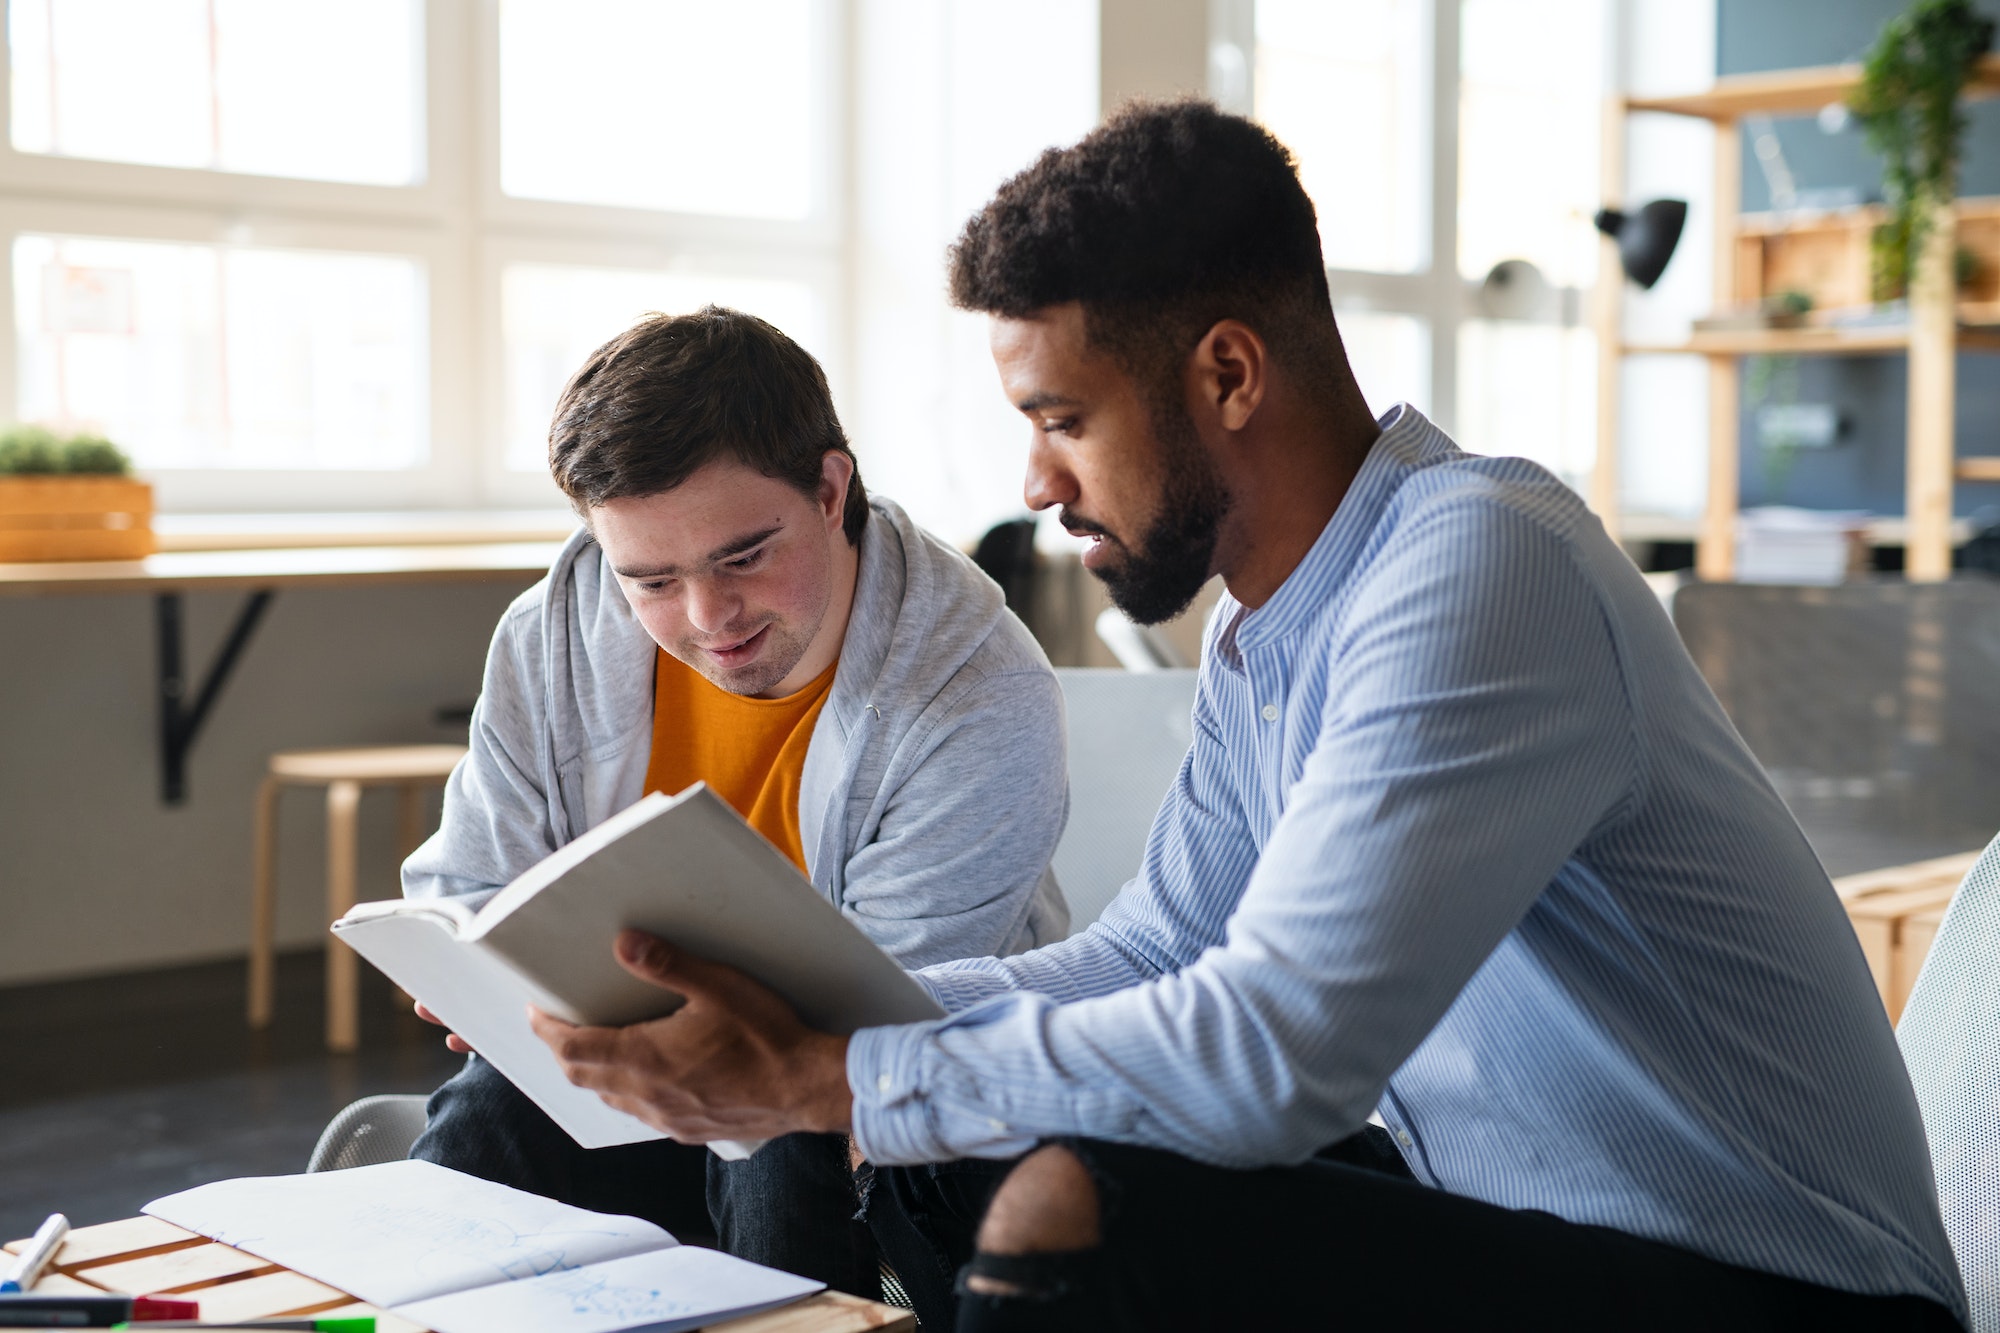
1078, 526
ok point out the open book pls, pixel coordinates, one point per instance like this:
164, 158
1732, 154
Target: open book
463, 1255
685, 868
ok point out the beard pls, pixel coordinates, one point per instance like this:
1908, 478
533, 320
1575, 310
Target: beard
1175, 555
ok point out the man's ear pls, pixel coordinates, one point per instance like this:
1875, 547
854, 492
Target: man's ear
836, 472
1230, 370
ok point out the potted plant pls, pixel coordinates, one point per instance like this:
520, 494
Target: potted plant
70, 499
1908, 106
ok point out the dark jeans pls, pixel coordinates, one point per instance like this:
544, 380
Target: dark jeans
790, 1206
1346, 1240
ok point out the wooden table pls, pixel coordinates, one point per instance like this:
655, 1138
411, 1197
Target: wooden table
184, 704
143, 1256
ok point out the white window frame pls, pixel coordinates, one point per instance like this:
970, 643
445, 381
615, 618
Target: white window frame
464, 230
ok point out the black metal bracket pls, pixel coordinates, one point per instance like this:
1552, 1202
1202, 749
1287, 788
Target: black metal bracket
179, 723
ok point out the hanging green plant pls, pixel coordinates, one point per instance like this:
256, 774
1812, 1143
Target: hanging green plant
1908, 108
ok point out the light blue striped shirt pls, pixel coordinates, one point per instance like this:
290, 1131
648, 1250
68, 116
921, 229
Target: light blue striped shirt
1463, 837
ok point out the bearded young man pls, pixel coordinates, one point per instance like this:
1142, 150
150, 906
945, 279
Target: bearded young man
736, 610
1462, 839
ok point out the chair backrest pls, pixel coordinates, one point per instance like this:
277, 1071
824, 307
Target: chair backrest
1128, 732
1874, 706
369, 1132
1950, 1034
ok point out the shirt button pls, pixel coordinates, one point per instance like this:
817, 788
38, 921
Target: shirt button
1403, 1137
998, 1126
1270, 712
883, 1083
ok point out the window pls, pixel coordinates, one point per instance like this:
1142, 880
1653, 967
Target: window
1411, 220
329, 92
1343, 84
204, 356
683, 105
345, 253
554, 315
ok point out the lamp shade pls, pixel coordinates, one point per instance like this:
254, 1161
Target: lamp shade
1646, 239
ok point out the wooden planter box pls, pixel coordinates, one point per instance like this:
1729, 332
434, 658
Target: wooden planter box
75, 518
1896, 912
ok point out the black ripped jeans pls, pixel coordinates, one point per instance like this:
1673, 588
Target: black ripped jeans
1347, 1240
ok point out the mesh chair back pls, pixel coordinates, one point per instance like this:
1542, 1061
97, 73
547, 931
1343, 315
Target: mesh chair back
1875, 707
1950, 1034
1128, 732
369, 1132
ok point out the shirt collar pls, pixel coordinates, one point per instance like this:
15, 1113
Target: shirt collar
1408, 441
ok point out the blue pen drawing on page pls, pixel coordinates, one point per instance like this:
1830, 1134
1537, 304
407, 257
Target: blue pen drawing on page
597, 1297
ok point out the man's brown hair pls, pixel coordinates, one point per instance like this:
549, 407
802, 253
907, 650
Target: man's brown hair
674, 393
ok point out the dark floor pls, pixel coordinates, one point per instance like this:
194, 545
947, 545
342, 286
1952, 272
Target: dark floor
117, 1090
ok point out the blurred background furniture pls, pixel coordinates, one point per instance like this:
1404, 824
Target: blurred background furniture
1874, 706
411, 769
1896, 912
371, 1131
1138, 647
1128, 732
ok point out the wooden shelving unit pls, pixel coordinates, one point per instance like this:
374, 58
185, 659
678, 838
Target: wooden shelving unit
1762, 255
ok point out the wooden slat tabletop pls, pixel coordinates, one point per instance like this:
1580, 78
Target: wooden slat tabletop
144, 1256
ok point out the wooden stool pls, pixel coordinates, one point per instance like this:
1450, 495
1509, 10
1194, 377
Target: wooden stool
410, 769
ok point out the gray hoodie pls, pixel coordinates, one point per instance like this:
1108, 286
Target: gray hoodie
934, 786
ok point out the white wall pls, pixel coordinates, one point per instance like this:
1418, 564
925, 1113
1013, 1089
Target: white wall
96, 875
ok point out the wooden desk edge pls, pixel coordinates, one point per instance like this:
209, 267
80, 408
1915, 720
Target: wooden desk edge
339, 566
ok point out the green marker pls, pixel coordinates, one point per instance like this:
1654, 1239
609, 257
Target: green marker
355, 1323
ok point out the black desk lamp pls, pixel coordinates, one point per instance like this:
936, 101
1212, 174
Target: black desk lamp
1646, 239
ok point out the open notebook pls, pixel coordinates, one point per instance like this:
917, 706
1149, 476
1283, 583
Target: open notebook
687, 869
463, 1255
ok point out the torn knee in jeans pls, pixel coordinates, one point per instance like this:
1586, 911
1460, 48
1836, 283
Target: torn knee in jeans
1029, 1277
1047, 1210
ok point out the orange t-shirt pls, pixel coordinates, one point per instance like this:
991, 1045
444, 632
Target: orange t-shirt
751, 751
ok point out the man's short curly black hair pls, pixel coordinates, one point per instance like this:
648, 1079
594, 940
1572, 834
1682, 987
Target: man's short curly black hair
1166, 218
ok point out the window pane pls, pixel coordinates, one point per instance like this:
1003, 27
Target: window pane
1529, 390
555, 315
685, 105
1528, 123
1390, 356
321, 89
224, 357
1340, 82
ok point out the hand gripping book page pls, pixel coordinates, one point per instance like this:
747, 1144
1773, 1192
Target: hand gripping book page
686, 868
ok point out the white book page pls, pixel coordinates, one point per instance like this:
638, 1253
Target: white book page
404, 1231
682, 1288
486, 1002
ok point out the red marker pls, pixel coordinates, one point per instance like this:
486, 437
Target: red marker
33, 1309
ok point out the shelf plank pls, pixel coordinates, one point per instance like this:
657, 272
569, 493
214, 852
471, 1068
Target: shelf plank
1978, 469
1789, 91
1805, 342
